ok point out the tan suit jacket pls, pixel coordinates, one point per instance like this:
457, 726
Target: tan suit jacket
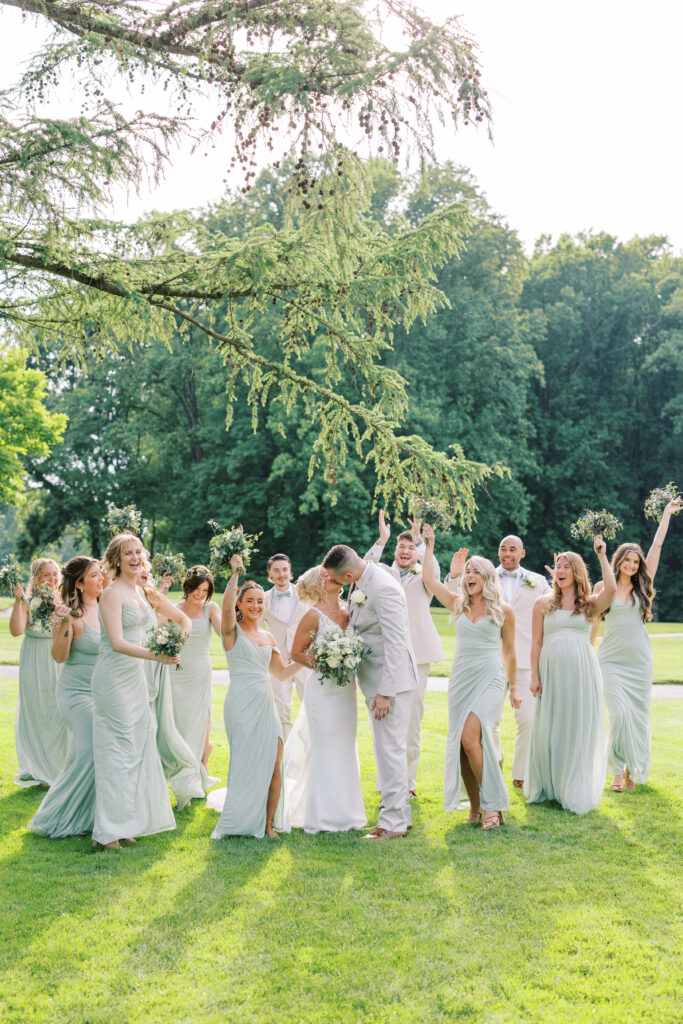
423, 633
389, 666
523, 606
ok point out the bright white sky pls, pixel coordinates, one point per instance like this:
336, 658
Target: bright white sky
586, 99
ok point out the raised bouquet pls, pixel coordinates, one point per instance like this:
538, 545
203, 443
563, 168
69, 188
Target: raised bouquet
435, 511
123, 520
658, 499
42, 606
591, 523
10, 576
337, 656
174, 565
226, 543
167, 639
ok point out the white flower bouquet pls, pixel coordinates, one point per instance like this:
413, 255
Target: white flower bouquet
167, 639
226, 543
10, 576
337, 656
42, 606
123, 520
174, 565
658, 499
591, 523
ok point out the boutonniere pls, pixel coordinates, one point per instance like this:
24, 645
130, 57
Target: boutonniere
528, 582
358, 598
416, 570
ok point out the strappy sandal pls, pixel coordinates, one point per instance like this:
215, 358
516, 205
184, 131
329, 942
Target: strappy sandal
617, 787
473, 818
495, 821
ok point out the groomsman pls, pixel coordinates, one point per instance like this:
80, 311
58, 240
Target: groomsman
283, 613
406, 570
521, 589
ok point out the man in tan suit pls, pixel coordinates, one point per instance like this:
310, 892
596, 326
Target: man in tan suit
521, 589
406, 570
283, 613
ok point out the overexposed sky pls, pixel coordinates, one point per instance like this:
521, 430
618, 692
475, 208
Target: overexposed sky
586, 101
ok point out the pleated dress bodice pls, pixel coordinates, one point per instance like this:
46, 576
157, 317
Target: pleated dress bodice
625, 658
76, 674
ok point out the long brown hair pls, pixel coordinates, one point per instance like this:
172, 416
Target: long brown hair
74, 572
641, 582
247, 585
582, 586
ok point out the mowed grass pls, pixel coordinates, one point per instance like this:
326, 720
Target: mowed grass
552, 919
667, 651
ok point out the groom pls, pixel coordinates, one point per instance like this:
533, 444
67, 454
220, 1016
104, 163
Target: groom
387, 676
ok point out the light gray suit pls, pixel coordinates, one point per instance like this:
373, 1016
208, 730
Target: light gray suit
389, 670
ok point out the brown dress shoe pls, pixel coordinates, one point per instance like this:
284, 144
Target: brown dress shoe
384, 833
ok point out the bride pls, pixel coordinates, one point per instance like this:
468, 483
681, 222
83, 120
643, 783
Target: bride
322, 773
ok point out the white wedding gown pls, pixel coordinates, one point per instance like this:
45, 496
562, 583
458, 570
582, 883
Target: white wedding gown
322, 772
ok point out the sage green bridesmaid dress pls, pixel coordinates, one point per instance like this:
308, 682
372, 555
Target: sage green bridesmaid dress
625, 658
253, 728
567, 756
185, 774
131, 794
191, 685
40, 732
476, 685
69, 806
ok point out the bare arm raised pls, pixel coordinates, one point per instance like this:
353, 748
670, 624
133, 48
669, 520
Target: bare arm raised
441, 592
653, 555
601, 601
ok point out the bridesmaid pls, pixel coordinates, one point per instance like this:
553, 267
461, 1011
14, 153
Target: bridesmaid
483, 664
254, 800
192, 687
131, 795
184, 772
69, 807
625, 658
567, 753
40, 731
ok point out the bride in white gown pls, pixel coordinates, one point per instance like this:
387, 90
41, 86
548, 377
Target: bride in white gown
322, 772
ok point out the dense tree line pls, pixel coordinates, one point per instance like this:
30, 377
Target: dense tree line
566, 367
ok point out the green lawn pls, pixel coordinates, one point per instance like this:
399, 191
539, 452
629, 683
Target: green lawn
552, 919
667, 651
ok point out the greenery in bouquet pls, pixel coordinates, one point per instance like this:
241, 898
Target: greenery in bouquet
435, 511
42, 606
337, 656
226, 543
10, 576
658, 499
167, 639
591, 523
123, 520
174, 565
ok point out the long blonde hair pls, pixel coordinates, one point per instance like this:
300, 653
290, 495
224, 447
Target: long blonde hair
309, 586
112, 556
582, 586
37, 566
492, 592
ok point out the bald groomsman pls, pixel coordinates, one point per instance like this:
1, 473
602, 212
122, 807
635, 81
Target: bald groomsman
283, 613
424, 637
521, 588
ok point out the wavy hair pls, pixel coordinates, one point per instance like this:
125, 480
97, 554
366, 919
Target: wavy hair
151, 593
193, 579
247, 585
112, 556
74, 572
309, 586
37, 566
582, 586
492, 592
641, 582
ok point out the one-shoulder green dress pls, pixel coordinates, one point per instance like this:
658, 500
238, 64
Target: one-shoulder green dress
69, 806
567, 759
477, 686
253, 727
39, 729
131, 795
625, 658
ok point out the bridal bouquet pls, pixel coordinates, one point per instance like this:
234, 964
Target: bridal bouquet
226, 543
10, 576
591, 523
435, 511
42, 606
174, 565
167, 639
658, 500
123, 520
337, 656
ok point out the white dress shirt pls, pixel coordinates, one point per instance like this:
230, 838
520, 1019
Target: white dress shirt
510, 582
283, 603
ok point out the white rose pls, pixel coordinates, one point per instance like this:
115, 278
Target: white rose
358, 597
35, 603
333, 662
